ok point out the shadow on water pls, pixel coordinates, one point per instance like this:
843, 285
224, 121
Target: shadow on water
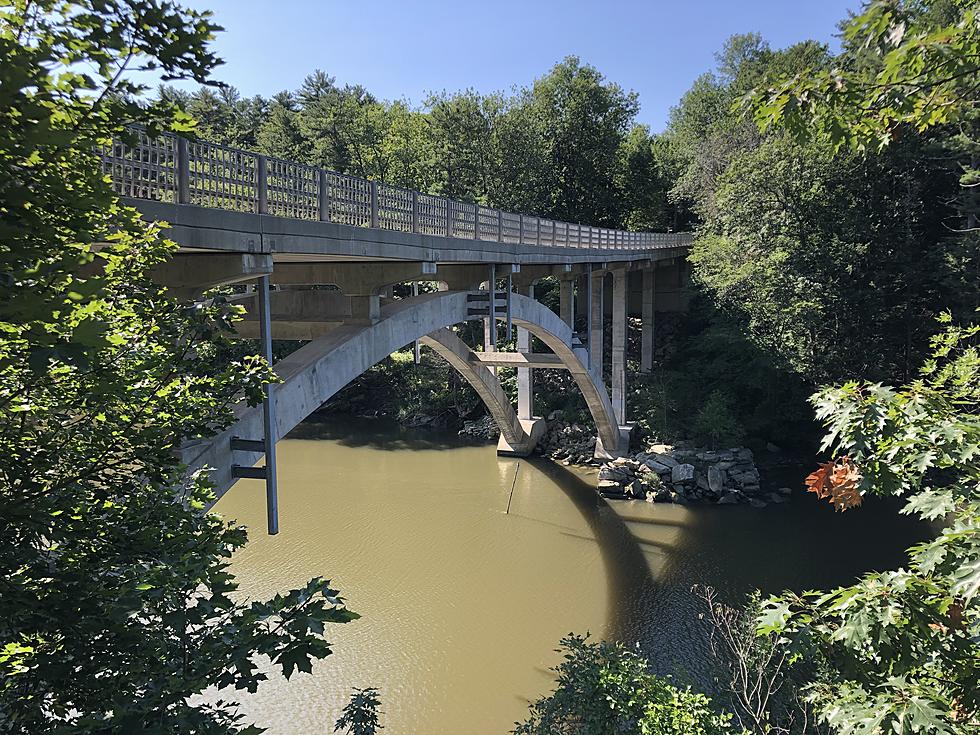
384, 434
628, 576
802, 544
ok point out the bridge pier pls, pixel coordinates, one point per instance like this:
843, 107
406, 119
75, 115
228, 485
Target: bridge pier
596, 321
647, 317
618, 370
525, 376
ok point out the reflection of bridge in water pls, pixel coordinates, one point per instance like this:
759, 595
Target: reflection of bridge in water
240, 217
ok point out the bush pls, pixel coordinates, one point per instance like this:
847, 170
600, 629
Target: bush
715, 423
603, 689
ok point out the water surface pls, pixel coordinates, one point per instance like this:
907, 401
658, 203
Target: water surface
464, 602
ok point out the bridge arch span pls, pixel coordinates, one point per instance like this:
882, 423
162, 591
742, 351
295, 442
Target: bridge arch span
315, 372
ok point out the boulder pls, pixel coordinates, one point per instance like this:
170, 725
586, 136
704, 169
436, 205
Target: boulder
716, 479
664, 459
730, 499
659, 467
682, 473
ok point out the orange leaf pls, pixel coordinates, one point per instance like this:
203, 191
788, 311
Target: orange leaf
836, 481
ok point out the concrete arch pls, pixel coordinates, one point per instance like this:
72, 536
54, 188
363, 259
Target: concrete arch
517, 438
315, 372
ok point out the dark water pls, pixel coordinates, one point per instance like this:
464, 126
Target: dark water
464, 602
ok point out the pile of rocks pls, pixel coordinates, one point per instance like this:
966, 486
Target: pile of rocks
485, 428
676, 474
566, 442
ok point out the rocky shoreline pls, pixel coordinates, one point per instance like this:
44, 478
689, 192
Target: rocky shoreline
688, 475
664, 473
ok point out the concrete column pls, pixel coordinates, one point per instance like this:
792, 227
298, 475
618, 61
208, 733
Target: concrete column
566, 301
597, 322
525, 376
647, 317
582, 297
618, 377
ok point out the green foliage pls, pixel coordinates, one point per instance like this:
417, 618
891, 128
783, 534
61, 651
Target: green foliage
715, 424
116, 602
603, 689
360, 716
903, 645
799, 236
566, 147
914, 67
835, 265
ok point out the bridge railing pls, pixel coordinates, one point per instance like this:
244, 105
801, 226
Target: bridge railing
169, 168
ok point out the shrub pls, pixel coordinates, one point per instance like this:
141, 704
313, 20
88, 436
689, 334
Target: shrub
604, 688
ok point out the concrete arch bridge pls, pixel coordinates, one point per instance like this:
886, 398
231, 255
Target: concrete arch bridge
320, 252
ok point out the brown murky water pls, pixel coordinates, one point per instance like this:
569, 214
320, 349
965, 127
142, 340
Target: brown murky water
464, 603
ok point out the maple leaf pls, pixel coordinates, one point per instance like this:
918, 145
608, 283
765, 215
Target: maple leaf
837, 482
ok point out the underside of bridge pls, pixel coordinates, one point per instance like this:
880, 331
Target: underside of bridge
346, 314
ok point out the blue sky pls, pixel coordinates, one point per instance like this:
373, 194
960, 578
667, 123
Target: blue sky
404, 49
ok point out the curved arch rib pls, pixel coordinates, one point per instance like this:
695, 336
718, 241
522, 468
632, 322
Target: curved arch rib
315, 372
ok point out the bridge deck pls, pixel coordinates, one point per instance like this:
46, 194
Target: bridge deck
228, 200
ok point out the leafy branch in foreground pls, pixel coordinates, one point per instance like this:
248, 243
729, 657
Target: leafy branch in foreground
117, 606
903, 645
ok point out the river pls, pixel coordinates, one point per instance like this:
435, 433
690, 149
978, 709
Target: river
463, 602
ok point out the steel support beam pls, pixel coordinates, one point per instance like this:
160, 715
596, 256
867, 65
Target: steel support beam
268, 412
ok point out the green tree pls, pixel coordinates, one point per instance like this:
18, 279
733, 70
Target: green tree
604, 689
280, 134
903, 645
583, 121
116, 601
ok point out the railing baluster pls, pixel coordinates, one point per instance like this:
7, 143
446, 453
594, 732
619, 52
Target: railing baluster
183, 171
262, 185
323, 195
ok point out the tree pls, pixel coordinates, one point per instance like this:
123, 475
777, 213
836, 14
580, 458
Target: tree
902, 645
280, 134
604, 689
583, 121
116, 602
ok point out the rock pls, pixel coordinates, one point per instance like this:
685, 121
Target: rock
659, 467
757, 503
665, 459
729, 499
682, 473
775, 498
770, 447
785, 491
716, 479
555, 415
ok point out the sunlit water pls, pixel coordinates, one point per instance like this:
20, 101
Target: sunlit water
463, 603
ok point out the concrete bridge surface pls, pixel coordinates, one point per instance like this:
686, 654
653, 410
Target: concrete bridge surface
320, 252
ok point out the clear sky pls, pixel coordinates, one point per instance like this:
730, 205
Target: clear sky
404, 49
